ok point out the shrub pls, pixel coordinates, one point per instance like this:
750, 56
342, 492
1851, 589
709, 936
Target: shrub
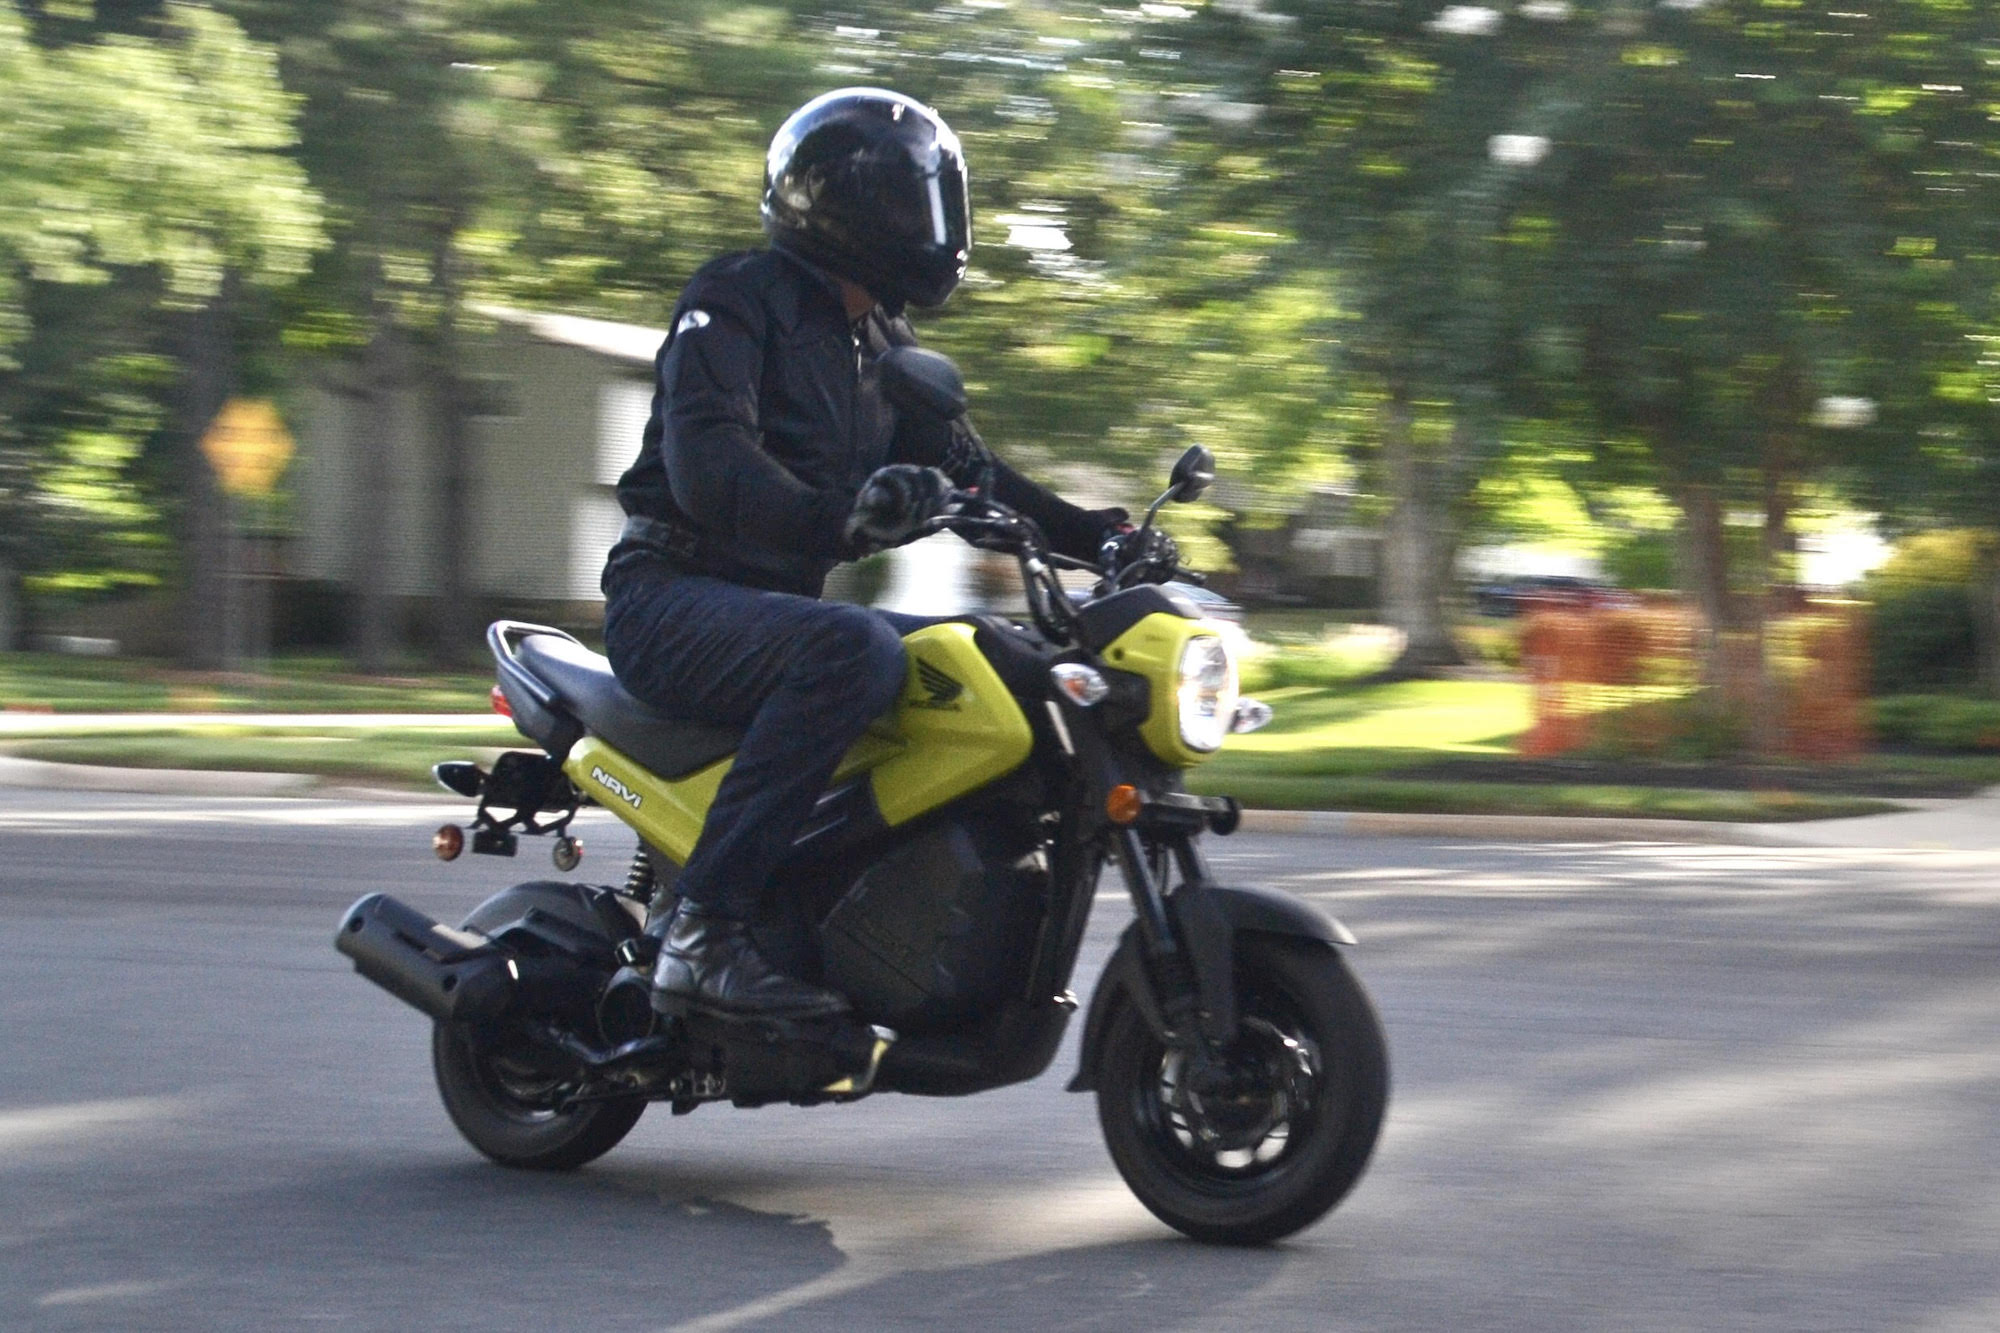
1495, 644
1944, 556
1939, 722
1642, 560
1922, 637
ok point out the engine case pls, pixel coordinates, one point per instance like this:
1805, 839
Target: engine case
942, 928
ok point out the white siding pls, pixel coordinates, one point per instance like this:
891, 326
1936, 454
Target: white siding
623, 405
593, 527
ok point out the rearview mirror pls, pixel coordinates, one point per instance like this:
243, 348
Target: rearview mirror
1192, 474
917, 379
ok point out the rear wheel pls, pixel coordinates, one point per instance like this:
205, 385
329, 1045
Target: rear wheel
505, 1106
1274, 1135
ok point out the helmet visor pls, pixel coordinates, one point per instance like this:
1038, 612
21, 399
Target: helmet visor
918, 203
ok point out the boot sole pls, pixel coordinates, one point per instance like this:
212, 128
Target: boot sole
680, 1006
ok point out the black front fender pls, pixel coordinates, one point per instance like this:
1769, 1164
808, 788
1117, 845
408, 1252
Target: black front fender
1127, 981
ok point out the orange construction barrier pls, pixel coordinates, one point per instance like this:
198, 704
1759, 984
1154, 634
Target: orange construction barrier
1617, 678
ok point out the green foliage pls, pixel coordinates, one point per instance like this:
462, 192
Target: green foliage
1938, 722
137, 168
1922, 636
1283, 231
1942, 558
1496, 643
1642, 560
168, 151
1922, 631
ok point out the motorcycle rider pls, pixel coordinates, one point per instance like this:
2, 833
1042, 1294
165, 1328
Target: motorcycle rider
767, 423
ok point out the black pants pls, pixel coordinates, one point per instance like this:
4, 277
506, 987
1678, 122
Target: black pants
802, 676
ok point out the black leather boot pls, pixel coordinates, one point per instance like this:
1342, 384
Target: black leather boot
709, 963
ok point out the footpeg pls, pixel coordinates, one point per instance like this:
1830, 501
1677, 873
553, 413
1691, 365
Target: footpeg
640, 951
856, 1085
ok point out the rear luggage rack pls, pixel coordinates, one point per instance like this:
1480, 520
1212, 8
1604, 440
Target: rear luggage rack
538, 713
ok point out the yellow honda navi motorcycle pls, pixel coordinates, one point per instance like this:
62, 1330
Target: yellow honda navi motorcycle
943, 885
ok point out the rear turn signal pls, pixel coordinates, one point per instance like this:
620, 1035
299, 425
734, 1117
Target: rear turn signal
1123, 803
500, 704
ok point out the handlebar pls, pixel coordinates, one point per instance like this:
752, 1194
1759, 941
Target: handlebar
987, 523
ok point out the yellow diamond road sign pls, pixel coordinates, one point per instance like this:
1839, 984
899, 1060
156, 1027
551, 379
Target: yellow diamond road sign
248, 446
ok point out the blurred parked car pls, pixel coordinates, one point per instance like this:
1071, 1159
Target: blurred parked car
1549, 592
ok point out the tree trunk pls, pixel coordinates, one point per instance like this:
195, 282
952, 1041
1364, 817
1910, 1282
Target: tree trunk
209, 354
1705, 572
1985, 593
1767, 725
10, 602
1420, 544
455, 626
372, 446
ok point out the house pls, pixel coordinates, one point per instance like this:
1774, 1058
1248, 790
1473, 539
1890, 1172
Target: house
563, 402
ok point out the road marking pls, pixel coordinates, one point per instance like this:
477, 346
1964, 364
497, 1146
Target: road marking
103, 1291
70, 1122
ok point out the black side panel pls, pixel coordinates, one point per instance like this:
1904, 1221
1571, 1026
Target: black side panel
1108, 617
941, 928
1020, 657
1016, 1044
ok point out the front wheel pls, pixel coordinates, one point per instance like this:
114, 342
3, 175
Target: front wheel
1279, 1129
505, 1106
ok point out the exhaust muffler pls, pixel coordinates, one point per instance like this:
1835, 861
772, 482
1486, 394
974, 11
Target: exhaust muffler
454, 976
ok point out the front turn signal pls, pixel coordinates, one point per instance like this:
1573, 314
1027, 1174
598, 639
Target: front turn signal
1251, 714
1081, 685
1123, 803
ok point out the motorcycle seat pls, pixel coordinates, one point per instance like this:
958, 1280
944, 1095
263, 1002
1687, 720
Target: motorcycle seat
583, 681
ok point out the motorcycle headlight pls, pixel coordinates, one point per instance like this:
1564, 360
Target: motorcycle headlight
1206, 691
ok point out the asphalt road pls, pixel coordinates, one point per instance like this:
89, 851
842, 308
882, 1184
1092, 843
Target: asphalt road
1637, 1087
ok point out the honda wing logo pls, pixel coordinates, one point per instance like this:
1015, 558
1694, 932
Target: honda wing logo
615, 787
940, 690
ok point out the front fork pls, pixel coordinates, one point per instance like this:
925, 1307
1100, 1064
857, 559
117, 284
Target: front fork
1186, 940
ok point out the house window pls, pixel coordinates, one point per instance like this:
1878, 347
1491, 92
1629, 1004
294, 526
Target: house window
623, 405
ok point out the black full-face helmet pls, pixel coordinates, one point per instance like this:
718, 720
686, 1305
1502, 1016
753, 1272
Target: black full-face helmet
870, 185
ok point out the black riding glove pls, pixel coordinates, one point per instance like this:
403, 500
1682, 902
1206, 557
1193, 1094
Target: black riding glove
1149, 554
893, 506
967, 461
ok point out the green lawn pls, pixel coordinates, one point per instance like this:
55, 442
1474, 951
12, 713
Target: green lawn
1285, 791
1345, 747
397, 756
1360, 728
47, 681
1342, 747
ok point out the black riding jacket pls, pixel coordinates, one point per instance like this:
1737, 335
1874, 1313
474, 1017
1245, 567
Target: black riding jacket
767, 418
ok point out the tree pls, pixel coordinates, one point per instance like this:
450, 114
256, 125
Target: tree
155, 158
1738, 235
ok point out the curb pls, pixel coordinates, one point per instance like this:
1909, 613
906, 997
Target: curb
1501, 828
47, 775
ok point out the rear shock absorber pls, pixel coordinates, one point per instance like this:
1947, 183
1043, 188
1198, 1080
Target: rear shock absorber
639, 951
639, 877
